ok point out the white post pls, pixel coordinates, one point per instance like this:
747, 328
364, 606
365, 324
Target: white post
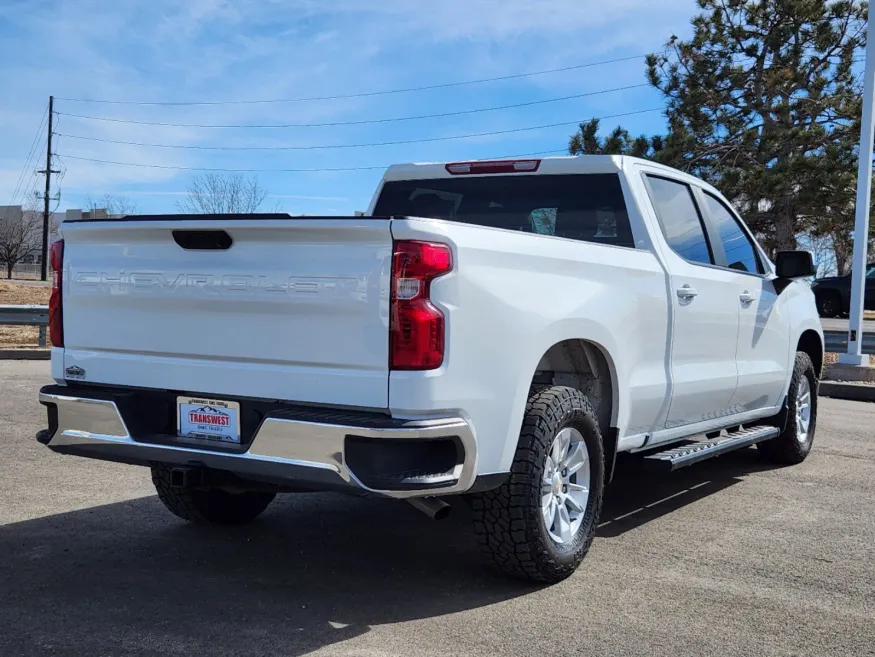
855, 355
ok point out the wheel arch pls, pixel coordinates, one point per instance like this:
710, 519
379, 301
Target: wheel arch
587, 366
811, 343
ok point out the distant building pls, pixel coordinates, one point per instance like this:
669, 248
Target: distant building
94, 213
13, 212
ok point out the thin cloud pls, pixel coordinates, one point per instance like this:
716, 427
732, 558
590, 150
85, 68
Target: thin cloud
255, 49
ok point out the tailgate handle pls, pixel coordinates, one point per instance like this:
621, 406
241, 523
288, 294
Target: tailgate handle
203, 240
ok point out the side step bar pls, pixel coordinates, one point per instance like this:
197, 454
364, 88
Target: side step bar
680, 457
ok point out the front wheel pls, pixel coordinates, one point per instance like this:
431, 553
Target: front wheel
540, 523
798, 419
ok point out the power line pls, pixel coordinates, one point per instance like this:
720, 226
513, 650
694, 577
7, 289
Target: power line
363, 121
32, 152
176, 168
29, 190
362, 145
362, 168
30, 155
312, 170
367, 94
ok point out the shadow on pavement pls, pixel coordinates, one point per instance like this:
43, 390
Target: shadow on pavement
637, 496
315, 570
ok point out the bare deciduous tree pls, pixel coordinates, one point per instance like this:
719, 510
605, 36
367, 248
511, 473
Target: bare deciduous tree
212, 193
20, 235
114, 205
822, 249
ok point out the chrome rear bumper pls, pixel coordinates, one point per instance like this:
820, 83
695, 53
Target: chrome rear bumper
282, 450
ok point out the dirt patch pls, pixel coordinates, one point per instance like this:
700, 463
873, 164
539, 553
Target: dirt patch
18, 295
25, 336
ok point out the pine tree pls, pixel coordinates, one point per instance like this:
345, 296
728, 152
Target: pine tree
763, 101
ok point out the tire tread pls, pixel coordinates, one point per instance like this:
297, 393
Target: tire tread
785, 449
504, 522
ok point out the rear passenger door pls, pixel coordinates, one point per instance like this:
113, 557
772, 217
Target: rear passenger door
705, 308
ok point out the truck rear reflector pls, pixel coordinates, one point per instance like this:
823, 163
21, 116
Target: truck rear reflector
492, 166
416, 328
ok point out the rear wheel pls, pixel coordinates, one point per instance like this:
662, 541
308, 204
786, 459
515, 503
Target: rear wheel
208, 506
540, 523
798, 419
829, 304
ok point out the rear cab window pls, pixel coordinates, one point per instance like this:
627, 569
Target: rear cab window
583, 207
679, 217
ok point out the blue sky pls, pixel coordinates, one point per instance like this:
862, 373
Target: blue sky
213, 50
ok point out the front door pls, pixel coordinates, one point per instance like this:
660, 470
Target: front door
762, 356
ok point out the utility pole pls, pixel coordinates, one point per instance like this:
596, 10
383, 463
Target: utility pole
855, 355
47, 198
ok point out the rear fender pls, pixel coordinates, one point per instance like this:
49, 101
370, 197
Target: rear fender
592, 332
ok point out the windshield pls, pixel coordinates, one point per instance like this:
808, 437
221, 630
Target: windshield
586, 207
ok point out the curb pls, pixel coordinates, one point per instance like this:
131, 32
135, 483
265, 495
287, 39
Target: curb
25, 354
849, 391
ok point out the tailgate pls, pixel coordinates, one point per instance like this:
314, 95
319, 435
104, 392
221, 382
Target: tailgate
294, 309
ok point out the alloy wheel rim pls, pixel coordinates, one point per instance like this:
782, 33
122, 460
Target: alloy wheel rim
803, 410
565, 486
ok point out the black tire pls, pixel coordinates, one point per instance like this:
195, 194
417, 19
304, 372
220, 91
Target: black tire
209, 506
829, 304
509, 522
787, 448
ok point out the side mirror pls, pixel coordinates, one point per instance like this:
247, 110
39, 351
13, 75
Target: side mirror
794, 264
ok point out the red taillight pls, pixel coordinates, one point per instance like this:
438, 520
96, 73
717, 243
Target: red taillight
416, 334
56, 326
492, 166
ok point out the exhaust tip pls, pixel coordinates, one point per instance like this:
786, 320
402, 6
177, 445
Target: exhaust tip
434, 507
442, 513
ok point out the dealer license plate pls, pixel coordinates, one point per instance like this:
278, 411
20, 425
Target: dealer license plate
208, 420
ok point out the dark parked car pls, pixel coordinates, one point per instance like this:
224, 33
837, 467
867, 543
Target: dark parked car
834, 294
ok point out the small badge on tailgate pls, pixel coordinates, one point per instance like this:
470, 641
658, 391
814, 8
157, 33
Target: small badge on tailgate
74, 372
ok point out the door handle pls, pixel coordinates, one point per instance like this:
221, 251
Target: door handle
687, 292
746, 297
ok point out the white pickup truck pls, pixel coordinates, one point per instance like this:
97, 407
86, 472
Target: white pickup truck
496, 330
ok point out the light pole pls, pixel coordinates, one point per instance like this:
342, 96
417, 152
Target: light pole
855, 355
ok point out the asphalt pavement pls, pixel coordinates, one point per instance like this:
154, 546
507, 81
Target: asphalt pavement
730, 557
